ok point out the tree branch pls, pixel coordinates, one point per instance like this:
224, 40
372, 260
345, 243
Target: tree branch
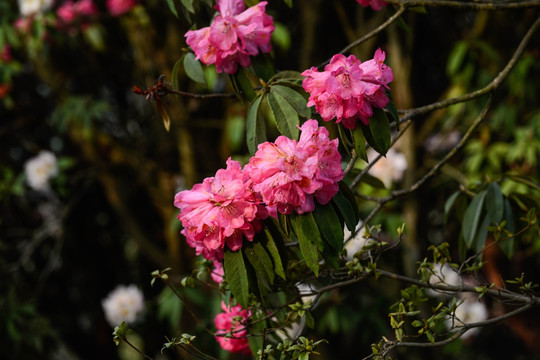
471, 5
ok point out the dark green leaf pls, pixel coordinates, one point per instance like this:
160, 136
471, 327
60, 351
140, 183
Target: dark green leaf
287, 76
507, 246
379, 128
188, 4
482, 234
391, 107
455, 59
284, 114
263, 67
260, 260
494, 202
273, 250
360, 143
346, 210
255, 126
174, 73
329, 225
310, 321
349, 195
172, 7
236, 274
294, 98
526, 181
194, 69
308, 238
242, 83
372, 181
472, 218
449, 203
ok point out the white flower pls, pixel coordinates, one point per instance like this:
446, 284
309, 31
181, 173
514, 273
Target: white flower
443, 274
29, 7
124, 303
306, 292
388, 169
469, 311
40, 169
355, 243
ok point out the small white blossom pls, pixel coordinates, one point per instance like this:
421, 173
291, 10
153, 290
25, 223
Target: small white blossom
388, 169
124, 303
471, 310
443, 274
40, 169
30, 7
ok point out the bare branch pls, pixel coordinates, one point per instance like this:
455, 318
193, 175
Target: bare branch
471, 5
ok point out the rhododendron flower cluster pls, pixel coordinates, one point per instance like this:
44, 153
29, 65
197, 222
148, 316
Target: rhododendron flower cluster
282, 176
232, 319
220, 211
233, 36
70, 11
375, 4
290, 174
347, 89
119, 7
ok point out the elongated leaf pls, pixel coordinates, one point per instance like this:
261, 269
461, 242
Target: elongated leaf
285, 115
449, 203
526, 181
263, 67
273, 250
235, 271
255, 126
380, 131
345, 209
242, 84
329, 225
349, 195
188, 4
308, 237
260, 260
507, 246
360, 143
391, 107
481, 236
194, 69
174, 73
172, 7
494, 203
472, 218
294, 98
287, 76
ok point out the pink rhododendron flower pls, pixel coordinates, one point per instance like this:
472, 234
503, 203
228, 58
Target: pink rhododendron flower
232, 319
233, 36
347, 89
290, 174
375, 4
217, 271
70, 12
223, 210
119, 7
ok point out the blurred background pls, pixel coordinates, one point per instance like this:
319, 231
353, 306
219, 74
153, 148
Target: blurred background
102, 213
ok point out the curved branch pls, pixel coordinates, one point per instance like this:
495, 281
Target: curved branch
470, 5
370, 34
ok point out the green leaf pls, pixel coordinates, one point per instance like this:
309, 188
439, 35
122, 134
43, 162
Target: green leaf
255, 126
482, 234
308, 237
242, 83
273, 250
349, 195
360, 143
263, 67
329, 225
236, 274
188, 4
287, 76
379, 129
172, 7
507, 246
472, 218
456, 57
259, 259
285, 115
494, 203
449, 203
174, 73
391, 107
346, 210
194, 69
294, 98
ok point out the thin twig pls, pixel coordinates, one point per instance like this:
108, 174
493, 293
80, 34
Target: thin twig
370, 34
471, 5
136, 349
